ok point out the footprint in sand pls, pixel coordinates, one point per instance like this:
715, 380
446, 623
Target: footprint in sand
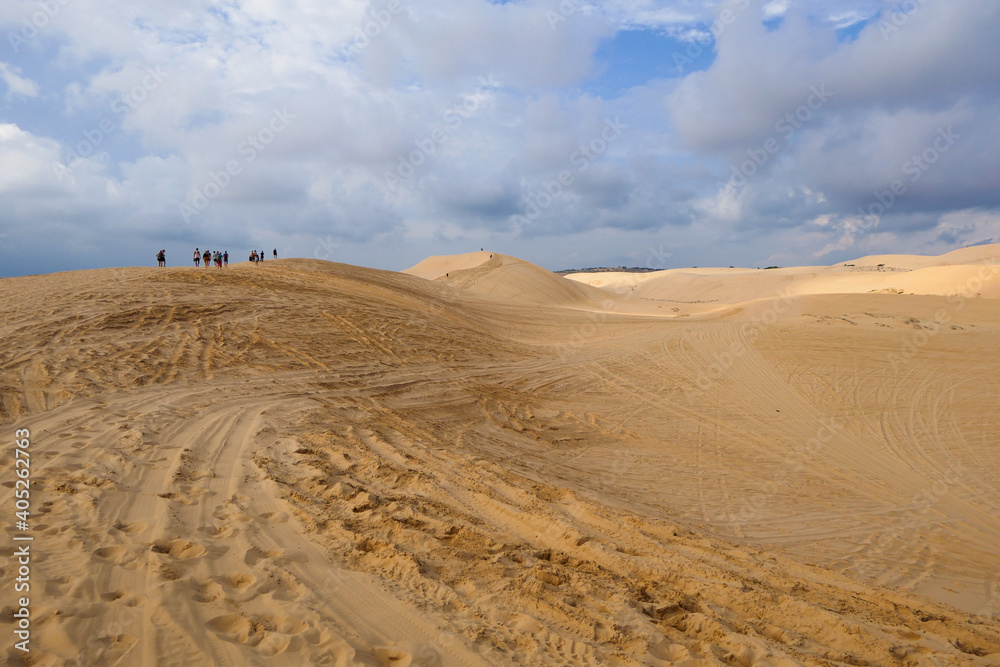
136, 600
228, 514
218, 532
176, 497
207, 591
238, 581
281, 634
270, 636
179, 549
115, 555
255, 555
317, 636
131, 528
193, 492
401, 656
126, 599
232, 627
289, 591
266, 588
289, 625
273, 644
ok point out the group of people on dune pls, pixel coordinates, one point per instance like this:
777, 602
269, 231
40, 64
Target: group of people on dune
256, 257
219, 258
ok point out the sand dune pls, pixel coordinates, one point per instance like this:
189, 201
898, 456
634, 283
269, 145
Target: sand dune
511, 280
438, 265
969, 271
314, 463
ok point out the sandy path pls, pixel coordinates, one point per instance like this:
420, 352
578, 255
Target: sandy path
190, 537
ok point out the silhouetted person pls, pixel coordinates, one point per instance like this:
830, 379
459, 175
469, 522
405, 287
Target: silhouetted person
276, 253
161, 258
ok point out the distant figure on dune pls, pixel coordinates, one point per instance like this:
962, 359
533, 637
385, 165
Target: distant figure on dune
275, 253
161, 258
197, 257
261, 255
207, 256
225, 258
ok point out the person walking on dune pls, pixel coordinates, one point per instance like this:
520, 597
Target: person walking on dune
161, 258
197, 257
275, 253
225, 258
207, 256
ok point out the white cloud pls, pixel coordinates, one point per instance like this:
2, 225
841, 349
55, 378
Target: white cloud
776, 8
362, 103
16, 84
26, 162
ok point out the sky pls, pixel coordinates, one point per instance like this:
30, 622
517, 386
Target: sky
572, 134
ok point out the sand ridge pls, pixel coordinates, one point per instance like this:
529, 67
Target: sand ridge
314, 463
966, 270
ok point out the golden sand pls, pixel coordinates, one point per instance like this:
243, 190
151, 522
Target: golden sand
478, 462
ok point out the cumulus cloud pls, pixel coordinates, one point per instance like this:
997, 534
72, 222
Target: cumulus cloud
905, 98
16, 84
404, 125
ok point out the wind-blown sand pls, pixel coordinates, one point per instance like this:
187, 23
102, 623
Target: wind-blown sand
484, 463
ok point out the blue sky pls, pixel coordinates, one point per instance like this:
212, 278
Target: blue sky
636, 132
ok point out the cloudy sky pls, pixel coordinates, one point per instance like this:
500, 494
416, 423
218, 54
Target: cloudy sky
638, 132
